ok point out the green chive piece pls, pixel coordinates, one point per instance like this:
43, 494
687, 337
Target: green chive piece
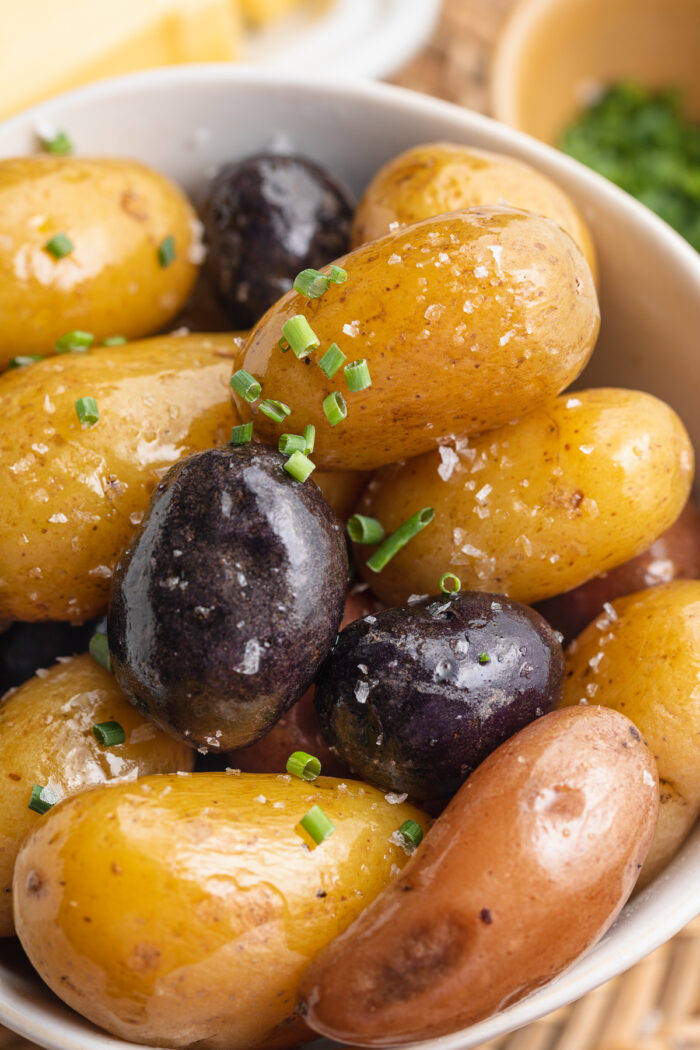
332, 360
335, 408
59, 246
357, 375
99, 650
484, 658
22, 360
393, 544
60, 144
74, 343
166, 251
317, 824
242, 434
299, 466
274, 410
88, 412
311, 283
246, 385
412, 832
108, 734
302, 765
309, 438
290, 443
338, 275
41, 799
365, 530
450, 584
283, 345
300, 335
114, 340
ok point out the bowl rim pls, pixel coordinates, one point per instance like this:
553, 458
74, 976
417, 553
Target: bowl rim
680, 908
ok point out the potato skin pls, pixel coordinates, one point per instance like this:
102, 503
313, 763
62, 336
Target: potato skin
674, 556
525, 869
457, 339
444, 176
641, 657
342, 489
198, 906
540, 506
46, 738
72, 497
112, 282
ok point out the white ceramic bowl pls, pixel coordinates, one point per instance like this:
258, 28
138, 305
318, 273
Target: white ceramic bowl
186, 120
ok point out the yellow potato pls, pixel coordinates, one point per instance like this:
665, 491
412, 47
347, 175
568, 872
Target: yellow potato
116, 215
642, 657
444, 176
466, 322
46, 739
342, 489
72, 496
537, 507
184, 909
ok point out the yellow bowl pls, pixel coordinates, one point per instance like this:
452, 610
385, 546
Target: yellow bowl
554, 55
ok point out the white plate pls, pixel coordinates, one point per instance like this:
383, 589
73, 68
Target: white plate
185, 120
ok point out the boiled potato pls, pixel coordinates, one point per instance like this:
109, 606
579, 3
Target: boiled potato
525, 869
342, 489
541, 505
115, 214
73, 495
184, 909
466, 321
46, 739
642, 657
444, 176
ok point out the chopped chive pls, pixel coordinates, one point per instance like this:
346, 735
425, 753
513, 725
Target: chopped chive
299, 466
484, 658
275, 410
309, 438
22, 360
114, 340
59, 246
302, 765
335, 408
108, 734
393, 544
283, 345
290, 443
332, 360
74, 343
242, 434
246, 385
357, 375
365, 530
59, 144
338, 275
99, 650
300, 335
412, 832
450, 584
41, 799
88, 412
311, 283
166, 251
317, 824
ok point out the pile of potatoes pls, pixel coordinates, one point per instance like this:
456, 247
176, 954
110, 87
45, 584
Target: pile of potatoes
174, 905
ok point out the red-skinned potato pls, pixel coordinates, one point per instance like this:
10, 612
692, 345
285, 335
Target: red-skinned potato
526, 868
674, 556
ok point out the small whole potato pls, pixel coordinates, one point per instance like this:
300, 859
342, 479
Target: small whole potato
444, 176
539, 506
526, 869
46, 738
342, 489
111, 272
674, 556
184, 910
466, 321
73, 495
641, 656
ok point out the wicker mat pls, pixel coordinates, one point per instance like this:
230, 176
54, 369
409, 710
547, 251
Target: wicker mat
656, 1004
